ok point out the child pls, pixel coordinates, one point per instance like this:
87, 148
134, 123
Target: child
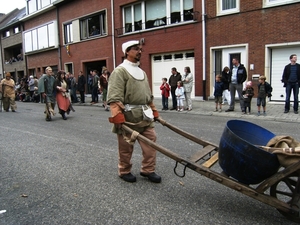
248, 93
165, 93
179, 92
264, 90
219, 87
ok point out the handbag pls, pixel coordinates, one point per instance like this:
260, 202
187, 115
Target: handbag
147, 113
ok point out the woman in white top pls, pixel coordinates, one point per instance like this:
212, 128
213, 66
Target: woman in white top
187, 80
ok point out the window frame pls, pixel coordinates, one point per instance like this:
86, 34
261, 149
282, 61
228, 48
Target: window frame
273, 3
84, 25
221, 12
166, 20
16, 29
36, 5
31, 38
68, 33
6, 33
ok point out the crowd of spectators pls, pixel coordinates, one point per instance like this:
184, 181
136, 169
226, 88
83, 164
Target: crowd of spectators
27, 89
14, 59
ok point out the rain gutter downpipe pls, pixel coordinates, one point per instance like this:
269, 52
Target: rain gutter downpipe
203, 50
113, 33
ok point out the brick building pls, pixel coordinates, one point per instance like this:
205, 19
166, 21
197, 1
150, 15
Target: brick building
262, 33
84, 35
11, 44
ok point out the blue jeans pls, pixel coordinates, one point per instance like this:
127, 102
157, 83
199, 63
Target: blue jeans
288, 90
165, 103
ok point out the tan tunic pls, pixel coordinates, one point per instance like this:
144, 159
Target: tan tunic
124, 88
8, 88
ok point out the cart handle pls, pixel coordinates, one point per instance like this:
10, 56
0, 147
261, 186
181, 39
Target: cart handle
185, 134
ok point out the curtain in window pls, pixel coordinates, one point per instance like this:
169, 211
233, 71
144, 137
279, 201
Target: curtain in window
155, 13
187, 4
34, 43
228, 4
45, 3
51, 35
32, 6
84, 29
28, 42
137, 17
188, 9
42, 37
128, 19
175, 11
155, 9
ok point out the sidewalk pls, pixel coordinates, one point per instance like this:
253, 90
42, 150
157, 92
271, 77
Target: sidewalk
274, 110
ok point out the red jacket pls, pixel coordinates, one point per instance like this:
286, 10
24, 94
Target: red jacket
165, 90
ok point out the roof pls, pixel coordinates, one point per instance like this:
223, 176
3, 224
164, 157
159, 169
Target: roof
12, 18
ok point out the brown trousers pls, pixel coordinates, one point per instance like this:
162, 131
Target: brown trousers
9, 102
125, 153
51, 109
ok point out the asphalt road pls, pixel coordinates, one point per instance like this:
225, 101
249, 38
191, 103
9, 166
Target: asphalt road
65, 172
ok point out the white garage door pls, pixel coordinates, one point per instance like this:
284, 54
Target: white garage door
162, 65
280, 58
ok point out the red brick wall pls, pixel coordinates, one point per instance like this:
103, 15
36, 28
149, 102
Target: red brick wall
88, 50
254, 26
41, 59
170, 39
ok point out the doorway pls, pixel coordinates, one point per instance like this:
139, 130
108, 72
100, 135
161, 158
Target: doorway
90, 66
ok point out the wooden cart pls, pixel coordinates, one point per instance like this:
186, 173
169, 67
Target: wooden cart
284, 185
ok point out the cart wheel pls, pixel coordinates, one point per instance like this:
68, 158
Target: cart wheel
288, 190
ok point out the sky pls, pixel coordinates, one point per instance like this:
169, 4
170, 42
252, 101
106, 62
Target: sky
7, 6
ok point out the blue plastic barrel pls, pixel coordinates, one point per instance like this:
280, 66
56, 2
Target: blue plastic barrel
240, 158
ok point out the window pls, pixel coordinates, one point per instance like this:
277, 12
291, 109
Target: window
190, 55
178, 56
157, 58
155, 13
16, 30
93, 26
167, 57
228, 6
175, 11
270, 3
6, 33
68, 33
41, 37
35, 5
69, 67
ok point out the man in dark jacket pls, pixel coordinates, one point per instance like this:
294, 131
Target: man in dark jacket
291, 80
237, 78
81, 86
174, 78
